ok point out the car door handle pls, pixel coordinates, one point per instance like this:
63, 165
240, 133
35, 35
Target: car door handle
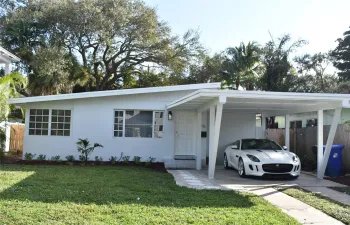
237, 156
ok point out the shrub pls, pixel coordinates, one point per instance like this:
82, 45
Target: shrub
113, 159
98, 159
70, 158
86, 149
150, 161
137, 160
41, 157
29, 156
56, 158
126, 159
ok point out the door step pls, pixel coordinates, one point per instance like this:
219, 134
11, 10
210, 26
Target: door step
179, 163
184, 157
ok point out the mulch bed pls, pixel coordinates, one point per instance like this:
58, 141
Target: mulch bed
341, 180
154, 166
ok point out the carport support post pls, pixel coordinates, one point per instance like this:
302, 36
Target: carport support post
330, 139
198, 139
215, 125
319, 140
287, 132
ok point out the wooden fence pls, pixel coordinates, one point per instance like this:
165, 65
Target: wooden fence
302, 140
16, 137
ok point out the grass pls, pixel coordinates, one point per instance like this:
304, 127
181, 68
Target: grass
345, 190
332, 208
121, 195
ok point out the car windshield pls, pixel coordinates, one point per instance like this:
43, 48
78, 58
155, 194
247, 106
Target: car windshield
260, 144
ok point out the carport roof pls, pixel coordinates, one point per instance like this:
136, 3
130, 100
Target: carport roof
272, 103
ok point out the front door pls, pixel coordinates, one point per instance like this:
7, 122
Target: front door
185, 122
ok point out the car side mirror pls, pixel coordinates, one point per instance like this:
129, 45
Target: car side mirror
285, 148
234, 147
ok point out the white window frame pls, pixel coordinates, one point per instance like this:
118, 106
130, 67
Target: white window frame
124, 115
50, 121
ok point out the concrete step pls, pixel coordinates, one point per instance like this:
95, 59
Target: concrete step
179, 163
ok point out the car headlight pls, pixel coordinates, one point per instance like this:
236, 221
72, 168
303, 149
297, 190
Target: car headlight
253, 158
295, 158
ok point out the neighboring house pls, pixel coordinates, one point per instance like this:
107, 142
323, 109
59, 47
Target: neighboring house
182, 126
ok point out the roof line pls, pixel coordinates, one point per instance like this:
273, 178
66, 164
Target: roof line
96, 94
9, 54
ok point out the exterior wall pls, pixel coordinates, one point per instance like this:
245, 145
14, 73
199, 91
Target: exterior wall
93, 118
235, 126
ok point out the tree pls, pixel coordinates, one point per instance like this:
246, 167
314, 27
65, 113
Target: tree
206, 69
277, 65
314, 68
242, 65
107, 37
85, 148
341, 56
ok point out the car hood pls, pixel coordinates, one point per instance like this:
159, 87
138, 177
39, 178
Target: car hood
271, 155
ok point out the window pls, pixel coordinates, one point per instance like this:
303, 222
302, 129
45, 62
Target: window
158, 124
118, 123
60, 122
38, 122
137, 123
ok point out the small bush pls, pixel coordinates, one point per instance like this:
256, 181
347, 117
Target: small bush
150, 161
56, 158
85, 148
41, 157
82, 158
113, 159
70, 158
98, 159
29, 156
137, 160
126, 159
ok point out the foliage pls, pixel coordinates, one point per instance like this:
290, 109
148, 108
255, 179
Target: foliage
29, 156
137, 160
85, 149
243, 66
126, 159
278, 68
92, 195
113, 159
108, 38
41, 157
98, 159
341, 57
70, 158
150, 161
56, 158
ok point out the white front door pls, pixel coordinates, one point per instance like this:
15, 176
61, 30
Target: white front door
185, 122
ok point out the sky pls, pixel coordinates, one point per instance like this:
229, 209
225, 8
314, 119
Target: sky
226, 23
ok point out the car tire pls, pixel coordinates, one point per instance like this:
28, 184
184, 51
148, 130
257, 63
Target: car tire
241, 170
226, 162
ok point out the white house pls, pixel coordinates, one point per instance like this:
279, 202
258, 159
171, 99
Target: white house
178, 125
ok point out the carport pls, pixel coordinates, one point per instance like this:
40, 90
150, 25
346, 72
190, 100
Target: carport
265, 103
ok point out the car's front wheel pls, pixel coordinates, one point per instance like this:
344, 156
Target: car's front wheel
225, 162
241, 170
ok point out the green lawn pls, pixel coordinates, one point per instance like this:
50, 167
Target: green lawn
120, 195
334, 209
345, 190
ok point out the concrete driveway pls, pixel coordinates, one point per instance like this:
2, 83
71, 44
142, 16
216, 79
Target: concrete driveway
230, 179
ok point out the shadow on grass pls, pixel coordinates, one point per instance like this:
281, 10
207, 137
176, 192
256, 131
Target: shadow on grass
109, 185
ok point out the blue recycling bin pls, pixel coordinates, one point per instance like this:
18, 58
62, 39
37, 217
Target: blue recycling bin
335, 165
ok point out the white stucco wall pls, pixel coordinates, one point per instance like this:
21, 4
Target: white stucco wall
235, 126
93, 118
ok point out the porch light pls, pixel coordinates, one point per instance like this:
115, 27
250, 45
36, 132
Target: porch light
170, 115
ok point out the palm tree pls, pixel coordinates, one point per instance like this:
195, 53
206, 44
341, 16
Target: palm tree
243, 65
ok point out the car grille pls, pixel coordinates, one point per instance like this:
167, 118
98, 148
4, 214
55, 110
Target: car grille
277, 168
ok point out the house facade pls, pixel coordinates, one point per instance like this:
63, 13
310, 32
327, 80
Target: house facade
184, 126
